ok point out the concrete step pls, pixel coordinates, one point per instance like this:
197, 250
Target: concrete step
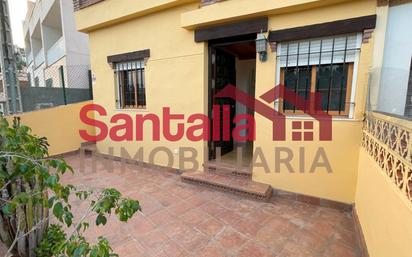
231, 184
228, 169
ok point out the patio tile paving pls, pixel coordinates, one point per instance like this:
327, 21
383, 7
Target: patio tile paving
183, 220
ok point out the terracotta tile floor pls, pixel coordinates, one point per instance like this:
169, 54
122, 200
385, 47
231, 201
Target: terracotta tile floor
180, 219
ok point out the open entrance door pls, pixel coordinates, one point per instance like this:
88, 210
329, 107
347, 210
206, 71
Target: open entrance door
231, 61
223, 73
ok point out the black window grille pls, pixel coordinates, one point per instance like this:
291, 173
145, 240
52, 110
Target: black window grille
49, 82
324, 66
131, 85
36, 82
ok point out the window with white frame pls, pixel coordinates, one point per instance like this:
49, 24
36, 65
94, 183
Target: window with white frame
391, 86
131, 90
324, 66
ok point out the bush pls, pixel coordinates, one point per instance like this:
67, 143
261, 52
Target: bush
30, 186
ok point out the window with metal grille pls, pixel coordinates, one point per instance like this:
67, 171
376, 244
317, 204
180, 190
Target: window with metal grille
49, 82
408, 106
131, 90
29, 79
323, 66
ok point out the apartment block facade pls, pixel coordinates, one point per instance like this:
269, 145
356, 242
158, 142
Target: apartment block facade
54, 48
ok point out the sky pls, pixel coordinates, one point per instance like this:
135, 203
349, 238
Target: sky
18, 9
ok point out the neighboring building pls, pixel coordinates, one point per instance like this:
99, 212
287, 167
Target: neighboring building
356, 55
21, 61
2, 100
21, 77
52, 43
23, 82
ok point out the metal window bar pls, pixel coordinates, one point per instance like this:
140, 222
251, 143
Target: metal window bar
119, 87
297, 77
143, 88
133, 84
342, 79
131, 89
140, 99
331, 76
284, 75
334, 52
318, 69
321, 52
308, 78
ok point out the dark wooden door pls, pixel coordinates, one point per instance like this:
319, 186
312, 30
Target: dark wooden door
223, 73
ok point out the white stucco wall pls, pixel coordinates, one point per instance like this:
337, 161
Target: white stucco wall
50, 29
77, 43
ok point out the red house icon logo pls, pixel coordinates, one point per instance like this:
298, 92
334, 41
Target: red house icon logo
301, 130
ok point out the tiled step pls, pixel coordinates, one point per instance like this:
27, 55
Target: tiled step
228, 169
237, 185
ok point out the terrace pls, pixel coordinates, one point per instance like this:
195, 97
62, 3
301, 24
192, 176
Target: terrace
362, 208
180, 219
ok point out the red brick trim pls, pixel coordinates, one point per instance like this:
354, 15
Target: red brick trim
392, 2
363, 248
358, 24
66, 154
312, 200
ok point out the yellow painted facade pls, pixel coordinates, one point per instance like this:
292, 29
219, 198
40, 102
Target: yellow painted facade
177, 73
385, 214
60, 125
228, 11
177, 76
342, 151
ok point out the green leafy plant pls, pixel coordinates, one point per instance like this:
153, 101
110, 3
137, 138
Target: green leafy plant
31, 192
52, 241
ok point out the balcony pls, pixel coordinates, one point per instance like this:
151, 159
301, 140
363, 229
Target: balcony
80, 4
55, 52
39, 59
29, 58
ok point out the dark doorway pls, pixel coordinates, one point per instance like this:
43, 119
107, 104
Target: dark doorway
229, 60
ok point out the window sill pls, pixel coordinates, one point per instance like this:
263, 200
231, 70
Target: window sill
132, 110
306, 117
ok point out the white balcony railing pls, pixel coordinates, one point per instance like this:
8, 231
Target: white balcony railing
55, 52
387, 140
39, 59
